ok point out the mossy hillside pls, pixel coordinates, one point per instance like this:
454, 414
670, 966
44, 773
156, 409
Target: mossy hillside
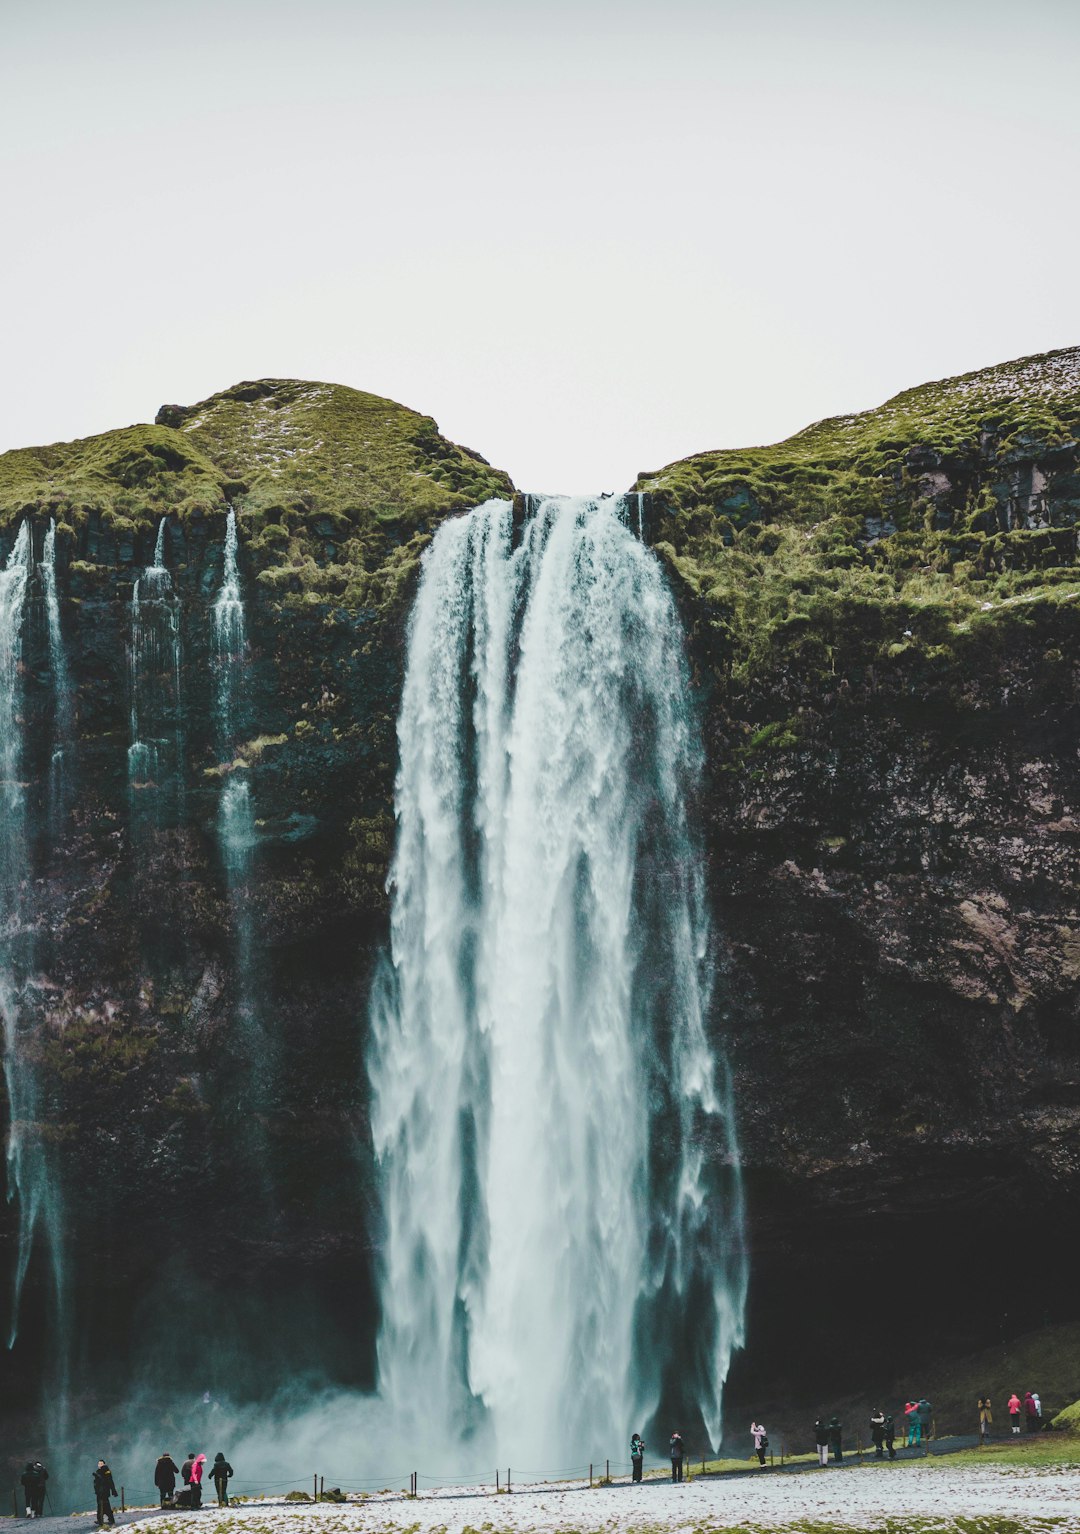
340, 488
831, 559
128, 478
974, 431
336, 491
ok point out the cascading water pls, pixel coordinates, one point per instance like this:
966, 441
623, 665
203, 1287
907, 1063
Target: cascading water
63, 719
236, 809
155, 752
555, 1140
29, 1181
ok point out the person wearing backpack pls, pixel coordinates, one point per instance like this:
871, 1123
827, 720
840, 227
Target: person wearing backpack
761, 1440
637, 1455
986, 1418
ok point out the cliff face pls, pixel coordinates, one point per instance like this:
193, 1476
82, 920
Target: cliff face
883, 624
206, 1170
885, 616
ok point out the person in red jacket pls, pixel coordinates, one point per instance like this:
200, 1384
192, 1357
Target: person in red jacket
1014, 1411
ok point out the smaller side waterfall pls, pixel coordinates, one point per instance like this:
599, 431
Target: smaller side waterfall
155, 754
236, 808
29, 1181
236, 819
63, 713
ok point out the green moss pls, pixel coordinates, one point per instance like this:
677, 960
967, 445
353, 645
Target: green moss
131, 477
1068, 1419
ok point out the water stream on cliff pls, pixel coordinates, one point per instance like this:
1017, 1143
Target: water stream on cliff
156, 750
30, 1183
236, 809
63, 716
554, 1134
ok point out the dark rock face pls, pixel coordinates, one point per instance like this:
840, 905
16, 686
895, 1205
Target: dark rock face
186, 1172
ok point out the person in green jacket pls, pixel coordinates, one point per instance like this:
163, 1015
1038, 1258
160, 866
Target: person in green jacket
637, 1454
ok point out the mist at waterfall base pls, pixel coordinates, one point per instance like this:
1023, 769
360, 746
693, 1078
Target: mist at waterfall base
561, 1203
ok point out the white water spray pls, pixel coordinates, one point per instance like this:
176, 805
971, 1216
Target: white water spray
560, 1186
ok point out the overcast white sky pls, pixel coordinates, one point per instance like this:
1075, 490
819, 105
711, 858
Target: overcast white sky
587, 237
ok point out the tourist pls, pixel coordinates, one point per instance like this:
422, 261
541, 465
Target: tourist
821, 1438
33, 1483
104, 1488
220, 1474
926, 1418
890, 1435
1029, 1411
1014, 1412
1038, 1410
677, 1452
986, 1417
37, 1501
761, 1440
184, 1499
196, 1480
877, 1431
637, 1454
911, 1412
165, 1473
836, 1433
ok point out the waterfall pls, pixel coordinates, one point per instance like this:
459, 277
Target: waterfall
555, 1140
236, 822
29, 1181
156, 749
63, 718
236, 809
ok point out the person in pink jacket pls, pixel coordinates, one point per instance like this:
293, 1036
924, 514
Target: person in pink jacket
1014, 1411
197, 1479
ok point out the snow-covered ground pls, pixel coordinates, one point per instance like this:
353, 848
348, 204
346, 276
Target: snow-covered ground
918, 1496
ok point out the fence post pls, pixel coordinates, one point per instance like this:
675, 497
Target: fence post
315, 1487
322, 1486
508, 1478
590, 1475
496, 1480
858, 1445
607, 1469
782, 1450
123, 1508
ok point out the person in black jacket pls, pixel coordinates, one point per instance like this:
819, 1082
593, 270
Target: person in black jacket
677, 1452
165, 1473
821, 1439
37, 1501
836, 1434
890, 1435
104, 1488
877, 1431
29, 1479
221, 1472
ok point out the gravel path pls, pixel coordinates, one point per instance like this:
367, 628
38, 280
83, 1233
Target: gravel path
923, 1495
